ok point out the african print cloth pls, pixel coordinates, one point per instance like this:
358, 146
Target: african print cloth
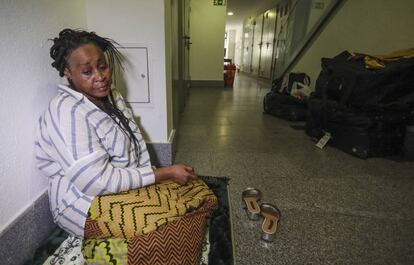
158, 224
70, 252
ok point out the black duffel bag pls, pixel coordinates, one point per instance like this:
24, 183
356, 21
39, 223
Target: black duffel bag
347, 80
285, 106
287, 97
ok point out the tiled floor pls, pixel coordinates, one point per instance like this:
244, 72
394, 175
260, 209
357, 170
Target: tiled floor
336, 209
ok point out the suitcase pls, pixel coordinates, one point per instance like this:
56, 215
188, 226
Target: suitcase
356, 131
365, 143
408, 147
285, 106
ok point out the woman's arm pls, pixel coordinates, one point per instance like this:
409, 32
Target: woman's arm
179, 173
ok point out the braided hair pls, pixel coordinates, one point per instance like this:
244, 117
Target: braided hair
68, 41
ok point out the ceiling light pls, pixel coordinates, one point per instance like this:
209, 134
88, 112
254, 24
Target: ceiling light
230, 13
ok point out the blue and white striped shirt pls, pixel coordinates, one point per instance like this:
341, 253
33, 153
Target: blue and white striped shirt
85, 153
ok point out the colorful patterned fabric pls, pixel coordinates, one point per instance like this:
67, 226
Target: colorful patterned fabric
158, 224
105, 251
178, 242
68, 253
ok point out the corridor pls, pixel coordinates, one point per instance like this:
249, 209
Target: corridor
336, 209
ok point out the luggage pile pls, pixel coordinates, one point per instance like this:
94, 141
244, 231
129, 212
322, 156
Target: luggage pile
364, 104
288, 97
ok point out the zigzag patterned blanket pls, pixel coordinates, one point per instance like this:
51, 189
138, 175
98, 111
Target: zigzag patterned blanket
137, 212
158, 224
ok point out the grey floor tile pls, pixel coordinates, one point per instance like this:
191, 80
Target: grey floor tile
201, 161
199, 130
336, 208
309, 237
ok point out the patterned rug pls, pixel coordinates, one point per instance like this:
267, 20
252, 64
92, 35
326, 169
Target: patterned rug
62, 249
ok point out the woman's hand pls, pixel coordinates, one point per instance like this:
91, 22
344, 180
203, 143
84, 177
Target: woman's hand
179, 173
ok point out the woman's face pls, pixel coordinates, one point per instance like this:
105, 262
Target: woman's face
89, 73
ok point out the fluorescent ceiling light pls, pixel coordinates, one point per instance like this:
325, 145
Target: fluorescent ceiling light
230, 13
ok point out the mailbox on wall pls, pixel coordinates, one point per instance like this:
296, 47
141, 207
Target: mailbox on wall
133, 81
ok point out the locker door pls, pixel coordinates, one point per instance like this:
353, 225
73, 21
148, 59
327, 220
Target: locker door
281, 38
257, 44
269, 24
133, 81
247, 50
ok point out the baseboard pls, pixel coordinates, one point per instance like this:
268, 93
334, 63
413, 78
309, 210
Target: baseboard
24, 235
207, 83
162, 154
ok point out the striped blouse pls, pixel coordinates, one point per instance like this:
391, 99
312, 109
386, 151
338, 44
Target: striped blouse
84, 153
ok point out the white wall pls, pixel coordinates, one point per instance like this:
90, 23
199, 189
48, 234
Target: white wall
27, 82
316, 13
364, 26
238, 46
139, 21
231, 44
207, 28
235, 43
169, 54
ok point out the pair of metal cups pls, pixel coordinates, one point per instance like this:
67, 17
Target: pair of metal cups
270, 213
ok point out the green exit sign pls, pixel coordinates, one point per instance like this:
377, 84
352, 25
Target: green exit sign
219, 2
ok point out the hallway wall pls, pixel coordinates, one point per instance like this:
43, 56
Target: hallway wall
238, 49
207, 28
170, 70
140, 22
231, 44
362, 26
27, 82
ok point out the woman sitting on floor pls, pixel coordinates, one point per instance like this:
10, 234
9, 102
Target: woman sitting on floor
102, 185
